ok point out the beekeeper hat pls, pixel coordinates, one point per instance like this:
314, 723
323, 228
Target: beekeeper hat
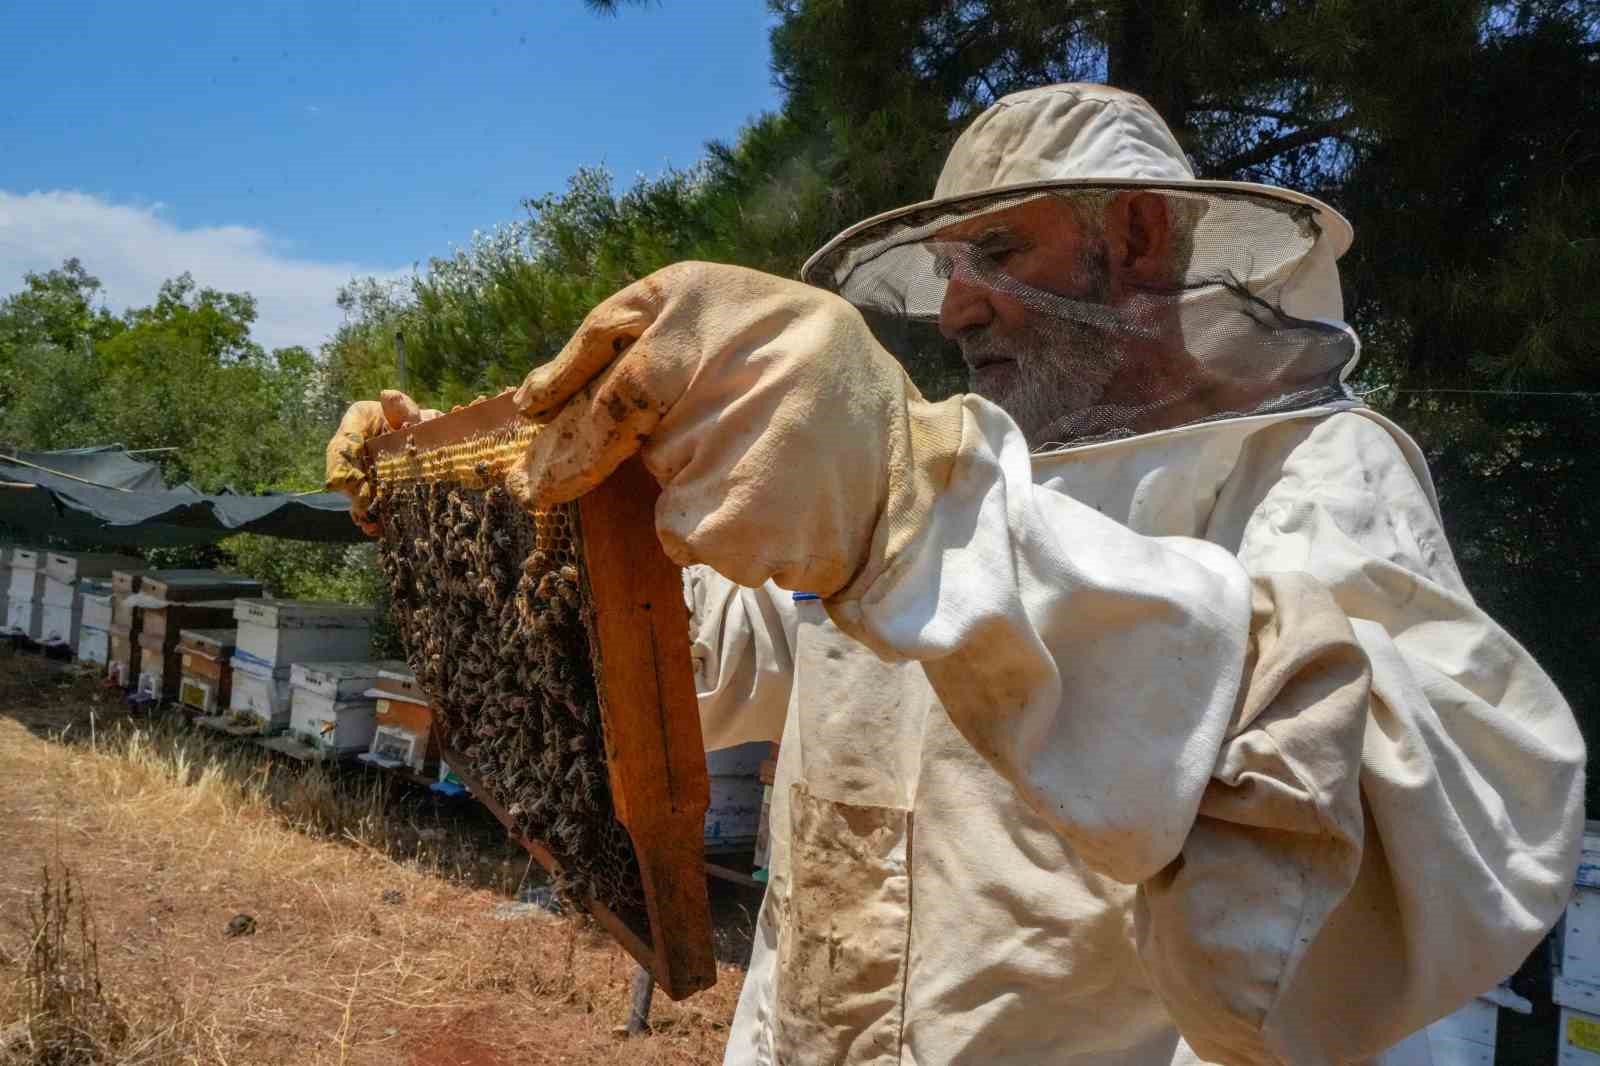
1078, 138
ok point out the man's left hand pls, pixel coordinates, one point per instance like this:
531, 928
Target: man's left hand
788, 444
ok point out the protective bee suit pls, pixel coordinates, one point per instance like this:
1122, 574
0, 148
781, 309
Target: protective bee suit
1169, 735
1173, 745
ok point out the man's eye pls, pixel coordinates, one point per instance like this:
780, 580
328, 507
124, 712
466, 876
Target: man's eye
999, 253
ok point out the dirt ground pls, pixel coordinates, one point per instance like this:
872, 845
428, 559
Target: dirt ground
372, 942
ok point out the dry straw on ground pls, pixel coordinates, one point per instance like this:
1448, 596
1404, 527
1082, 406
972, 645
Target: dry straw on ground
377, 937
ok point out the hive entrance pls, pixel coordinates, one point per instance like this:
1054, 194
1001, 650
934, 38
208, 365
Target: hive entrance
559, 667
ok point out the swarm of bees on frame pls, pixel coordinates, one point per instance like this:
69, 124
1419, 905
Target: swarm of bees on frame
490, 608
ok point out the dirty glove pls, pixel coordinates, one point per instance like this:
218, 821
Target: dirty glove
787, 443
345, 465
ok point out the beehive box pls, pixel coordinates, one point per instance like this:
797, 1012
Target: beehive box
67, 568
64, 574
554, 649
159, 635
94, 629
134, 592
404, 734
275, 634
733, 819
165, 619
25, 599
58, 623
206, 681
5, 581
329, 710
258, 699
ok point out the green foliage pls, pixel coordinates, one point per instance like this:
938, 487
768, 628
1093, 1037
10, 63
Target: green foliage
346, 573
182, 374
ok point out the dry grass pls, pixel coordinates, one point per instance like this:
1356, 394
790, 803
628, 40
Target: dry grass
172, 835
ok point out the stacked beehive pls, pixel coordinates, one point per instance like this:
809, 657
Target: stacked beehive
273, 635
404, 737
66, 576
122, 644
329, 709
6, 551
1577, 985
94, 630
733, 819
25, 605
170, 603
207, 678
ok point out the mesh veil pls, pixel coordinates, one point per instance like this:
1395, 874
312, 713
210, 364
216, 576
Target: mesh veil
1222, 336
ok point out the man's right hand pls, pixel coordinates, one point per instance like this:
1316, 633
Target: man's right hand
346, 465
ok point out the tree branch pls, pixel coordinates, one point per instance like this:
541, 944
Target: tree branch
1247, 109
1287, 143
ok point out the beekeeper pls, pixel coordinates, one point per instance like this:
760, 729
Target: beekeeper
1132, 706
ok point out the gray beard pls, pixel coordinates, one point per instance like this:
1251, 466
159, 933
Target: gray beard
1056, 374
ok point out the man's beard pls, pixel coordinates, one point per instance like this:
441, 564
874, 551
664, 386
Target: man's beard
1050, 375
1048, 379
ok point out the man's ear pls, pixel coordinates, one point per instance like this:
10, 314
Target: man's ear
1139, 236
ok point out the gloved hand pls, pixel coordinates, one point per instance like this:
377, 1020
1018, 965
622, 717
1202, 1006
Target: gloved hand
345, 468
787, 443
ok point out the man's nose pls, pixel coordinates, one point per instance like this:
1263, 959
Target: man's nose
966, 306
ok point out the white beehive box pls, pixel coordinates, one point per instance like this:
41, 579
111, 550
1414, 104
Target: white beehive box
275, 634
68, 567
96, 601
58, 593
23, 617
260, 694
27, 580
328, 710
58, 624
1580, 947
342, 727
94, 645
336, 681
733, 818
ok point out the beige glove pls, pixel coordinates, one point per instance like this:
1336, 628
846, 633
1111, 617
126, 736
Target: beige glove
788, 444
345, 467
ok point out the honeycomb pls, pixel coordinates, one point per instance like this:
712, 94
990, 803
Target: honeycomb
491, 609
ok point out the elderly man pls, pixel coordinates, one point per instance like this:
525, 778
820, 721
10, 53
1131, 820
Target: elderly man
1133, 708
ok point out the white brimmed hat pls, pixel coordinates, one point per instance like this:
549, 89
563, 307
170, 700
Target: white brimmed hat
1064, 139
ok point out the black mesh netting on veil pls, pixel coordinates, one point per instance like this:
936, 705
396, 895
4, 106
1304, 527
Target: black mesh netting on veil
1213, 337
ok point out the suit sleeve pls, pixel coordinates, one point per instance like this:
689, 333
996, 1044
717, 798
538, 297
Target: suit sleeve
1349, 799
741, 641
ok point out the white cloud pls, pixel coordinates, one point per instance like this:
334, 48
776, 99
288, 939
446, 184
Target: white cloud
133, 249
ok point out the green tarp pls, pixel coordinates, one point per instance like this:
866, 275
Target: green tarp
105, 496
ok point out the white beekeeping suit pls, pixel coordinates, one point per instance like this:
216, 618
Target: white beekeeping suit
1132, 706
1187, 743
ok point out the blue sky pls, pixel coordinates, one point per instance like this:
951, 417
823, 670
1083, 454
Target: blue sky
310, 141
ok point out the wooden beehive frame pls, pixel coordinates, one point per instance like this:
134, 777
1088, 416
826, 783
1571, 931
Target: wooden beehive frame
639, 631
